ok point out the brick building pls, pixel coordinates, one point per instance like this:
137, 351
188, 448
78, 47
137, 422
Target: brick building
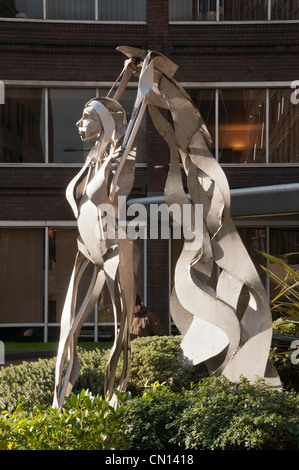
238, 59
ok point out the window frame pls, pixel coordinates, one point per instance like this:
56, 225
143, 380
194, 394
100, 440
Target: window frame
267, 85
95, 20
46, 86
46, 225
242, 85
234, 22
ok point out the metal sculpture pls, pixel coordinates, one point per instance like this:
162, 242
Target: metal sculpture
229, 328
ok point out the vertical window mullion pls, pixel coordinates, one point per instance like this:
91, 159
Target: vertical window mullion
267, 124
96, 9
217, 10
46, 285
46, 125
44, 9
267, 261
217, 124
269, 10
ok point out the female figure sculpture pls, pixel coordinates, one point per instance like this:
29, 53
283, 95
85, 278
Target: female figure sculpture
228, 327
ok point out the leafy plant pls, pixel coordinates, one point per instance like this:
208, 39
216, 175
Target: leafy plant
286, 302
216, 414
153, 359
86, 422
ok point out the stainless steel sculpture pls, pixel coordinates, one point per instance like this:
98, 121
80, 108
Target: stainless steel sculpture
227, 327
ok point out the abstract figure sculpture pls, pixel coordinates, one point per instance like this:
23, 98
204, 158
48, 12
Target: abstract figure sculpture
229, 328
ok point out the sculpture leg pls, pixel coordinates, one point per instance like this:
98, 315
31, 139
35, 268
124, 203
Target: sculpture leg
120, 276
71, 323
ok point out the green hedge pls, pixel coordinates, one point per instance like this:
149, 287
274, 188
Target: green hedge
214, 415
153, 359
189, 411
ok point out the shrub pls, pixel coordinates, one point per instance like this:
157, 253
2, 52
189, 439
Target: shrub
153, 359
85, 423
159, 359
216, 415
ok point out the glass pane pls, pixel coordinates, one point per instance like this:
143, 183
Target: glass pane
62, 253
285, 10
244, 10
22, 126
197, 10
122, 10
65, 110
242, 117
71, 9
284, 127
284, 243
21, 275
205, 101
21, 8
255, 239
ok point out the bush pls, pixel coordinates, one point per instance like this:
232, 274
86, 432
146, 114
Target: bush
216, 415
153, 359
159, 359
85, 423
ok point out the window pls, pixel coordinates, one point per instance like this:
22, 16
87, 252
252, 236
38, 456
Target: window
25, 137
284, 127
120, 10
70, 10
285, 10
75, 10
64, 110
205, 100
200, 10
233, 10
21, 275
21, 9
241, 126
251, 125
244, 10
35, 269
22, 126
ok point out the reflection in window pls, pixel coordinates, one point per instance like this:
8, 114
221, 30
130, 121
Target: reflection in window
65, 109
70, 9
242, 115
21, 9
22, 126
205, 102
254, 240
62, 254
120, 10
284, 127
285, 9
21, 275
232, 10
197, 10
244, 10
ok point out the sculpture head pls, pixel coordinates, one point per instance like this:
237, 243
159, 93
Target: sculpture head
103, 119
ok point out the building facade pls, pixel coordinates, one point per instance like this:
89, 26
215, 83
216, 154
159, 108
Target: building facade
238, 59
